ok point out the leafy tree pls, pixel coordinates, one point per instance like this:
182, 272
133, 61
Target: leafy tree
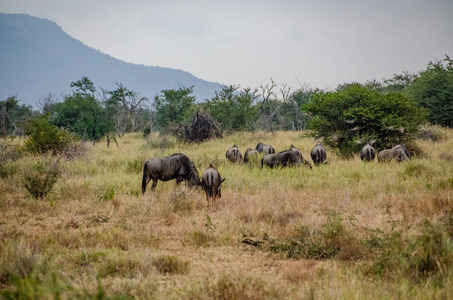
82, 113
433, 89
353, 115
174, 106
233, 110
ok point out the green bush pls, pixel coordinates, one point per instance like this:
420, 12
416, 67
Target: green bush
39, 178
354, 115
44, 137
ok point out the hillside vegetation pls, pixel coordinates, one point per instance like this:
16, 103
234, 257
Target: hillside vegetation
347, 229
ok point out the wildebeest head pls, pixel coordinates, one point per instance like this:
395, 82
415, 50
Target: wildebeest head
259, 147
299, 154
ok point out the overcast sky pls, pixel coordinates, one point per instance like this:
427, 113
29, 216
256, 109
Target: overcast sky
321, 43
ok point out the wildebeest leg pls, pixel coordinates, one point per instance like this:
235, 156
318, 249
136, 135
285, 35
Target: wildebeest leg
153, 187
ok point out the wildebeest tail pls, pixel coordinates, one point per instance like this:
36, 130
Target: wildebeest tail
211, 185
318, 155
144, 180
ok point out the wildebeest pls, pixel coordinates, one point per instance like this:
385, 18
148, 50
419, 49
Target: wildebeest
318, 154
392, 154
233, 154
264, 148
368, 153
287, 158
177, 166
299, 154
250, 154
403, 147
211, 182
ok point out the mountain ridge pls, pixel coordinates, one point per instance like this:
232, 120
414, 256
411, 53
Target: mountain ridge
37, 58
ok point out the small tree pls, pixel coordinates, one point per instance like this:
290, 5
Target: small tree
354, 115
39, 179
128, 107
174, 106
233, 109
82, 113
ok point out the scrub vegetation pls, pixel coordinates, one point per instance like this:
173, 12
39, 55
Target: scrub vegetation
348, 229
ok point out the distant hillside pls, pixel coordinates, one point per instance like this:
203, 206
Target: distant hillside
38, 58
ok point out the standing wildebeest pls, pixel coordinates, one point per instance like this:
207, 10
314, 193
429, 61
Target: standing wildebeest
299, 154
265, 148
287, 158
211, 182
250, 154
402, 147
233, 154
318, 154
177, 166
397, 154
368, 153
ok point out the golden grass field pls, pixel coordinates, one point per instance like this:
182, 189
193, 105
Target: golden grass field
95, 235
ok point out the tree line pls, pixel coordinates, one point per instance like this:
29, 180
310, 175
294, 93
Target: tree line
385, 111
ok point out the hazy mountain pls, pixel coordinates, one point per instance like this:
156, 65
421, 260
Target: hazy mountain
38, 58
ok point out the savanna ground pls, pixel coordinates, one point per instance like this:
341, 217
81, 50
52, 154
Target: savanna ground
343, 230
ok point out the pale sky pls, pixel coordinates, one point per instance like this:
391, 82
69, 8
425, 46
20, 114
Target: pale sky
320, 43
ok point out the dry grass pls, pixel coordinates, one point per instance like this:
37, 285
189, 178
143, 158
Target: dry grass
99, 234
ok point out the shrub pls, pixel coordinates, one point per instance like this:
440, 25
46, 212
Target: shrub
354, 115
39, 179
44, 137
326, 242
423, 256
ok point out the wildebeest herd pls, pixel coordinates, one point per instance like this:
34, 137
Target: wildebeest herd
178, 166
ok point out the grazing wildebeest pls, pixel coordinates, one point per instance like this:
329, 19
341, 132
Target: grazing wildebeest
368, 153
392, 154
264, 148
299, 154
403, 147
287, 158
233, 154
177, 166
211, 182
250, 154
318, 154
